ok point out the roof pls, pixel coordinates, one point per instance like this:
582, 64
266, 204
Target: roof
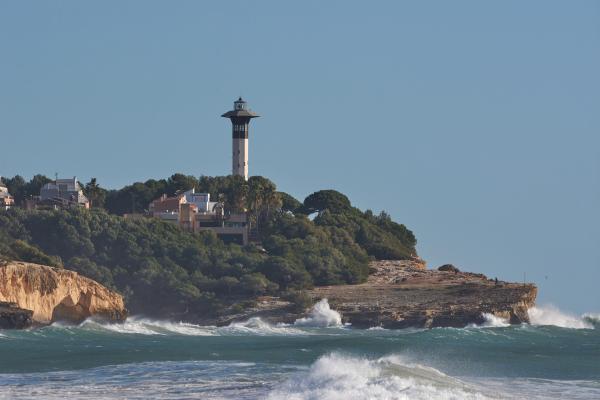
240, 113
166, 204
71, 183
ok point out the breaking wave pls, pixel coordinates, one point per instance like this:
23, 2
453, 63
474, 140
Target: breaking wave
551, 315
145, 326
321, 316
338, 377
256, 326
491, 321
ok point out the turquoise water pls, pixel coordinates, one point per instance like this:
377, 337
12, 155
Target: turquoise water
157, 359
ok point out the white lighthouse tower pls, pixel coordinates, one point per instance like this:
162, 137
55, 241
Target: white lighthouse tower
240, 118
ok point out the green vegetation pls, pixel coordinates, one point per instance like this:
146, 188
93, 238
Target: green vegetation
165, 271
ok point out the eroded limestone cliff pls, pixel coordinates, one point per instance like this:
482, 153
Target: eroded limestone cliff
56, 294
401, 294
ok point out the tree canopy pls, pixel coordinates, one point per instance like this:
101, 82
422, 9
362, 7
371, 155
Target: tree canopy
331, 200
165, 271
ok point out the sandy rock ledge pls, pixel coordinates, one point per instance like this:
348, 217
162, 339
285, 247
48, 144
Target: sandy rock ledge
53, 294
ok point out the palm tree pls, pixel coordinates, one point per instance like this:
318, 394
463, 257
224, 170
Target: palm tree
94, 193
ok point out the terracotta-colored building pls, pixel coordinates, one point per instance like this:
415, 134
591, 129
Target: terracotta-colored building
195, 212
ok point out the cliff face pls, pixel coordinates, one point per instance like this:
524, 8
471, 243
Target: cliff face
401, 294
55, 294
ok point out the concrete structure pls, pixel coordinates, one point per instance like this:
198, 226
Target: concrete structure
240, 118
195, 212
166, 205
6, 200
64, 193
200, 200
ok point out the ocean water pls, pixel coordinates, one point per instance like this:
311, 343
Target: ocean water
556, 357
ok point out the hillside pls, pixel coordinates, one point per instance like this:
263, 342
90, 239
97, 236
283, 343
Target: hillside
164, 271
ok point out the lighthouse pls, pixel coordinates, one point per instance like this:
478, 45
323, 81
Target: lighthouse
240, 118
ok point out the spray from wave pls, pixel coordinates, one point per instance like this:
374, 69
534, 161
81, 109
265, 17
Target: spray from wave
491, 321
338, 377
551, 315
321, 316
256, 326
145, 326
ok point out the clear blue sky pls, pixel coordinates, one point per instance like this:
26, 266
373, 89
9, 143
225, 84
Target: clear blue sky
477, 124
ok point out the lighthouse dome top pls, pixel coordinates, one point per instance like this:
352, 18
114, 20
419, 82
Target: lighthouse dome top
239, 104
240, 109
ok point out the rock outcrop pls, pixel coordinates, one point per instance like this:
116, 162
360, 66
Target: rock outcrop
13, 317
400, 294
403, 293
53, 294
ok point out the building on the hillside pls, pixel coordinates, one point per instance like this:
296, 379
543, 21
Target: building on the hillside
6, 200
240, 118
63, 193
200, 200
166, 207
195, 212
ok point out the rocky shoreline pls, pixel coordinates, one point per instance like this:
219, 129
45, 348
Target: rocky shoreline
401, 294
397, 294
32, 294
14, 317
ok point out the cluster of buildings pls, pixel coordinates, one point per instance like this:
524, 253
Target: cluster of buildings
192, 211
61, 193
6, 200
195, 212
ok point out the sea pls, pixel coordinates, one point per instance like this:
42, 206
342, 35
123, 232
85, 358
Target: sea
557, 356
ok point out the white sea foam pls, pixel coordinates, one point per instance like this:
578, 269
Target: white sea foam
551, 315
256, 326
339, 377
321, 315
491, 321
377, 328
145, 326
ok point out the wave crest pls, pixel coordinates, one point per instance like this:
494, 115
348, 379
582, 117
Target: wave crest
491, 321
338, 377
321, 316
145, 326
256, 326
551, 315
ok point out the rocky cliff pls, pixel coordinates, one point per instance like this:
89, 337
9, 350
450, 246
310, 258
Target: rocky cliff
401, 294
56, 294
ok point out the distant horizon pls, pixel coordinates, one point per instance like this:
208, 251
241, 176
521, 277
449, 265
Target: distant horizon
476, 125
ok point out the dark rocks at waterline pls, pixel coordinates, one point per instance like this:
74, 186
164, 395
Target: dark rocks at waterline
14, 317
